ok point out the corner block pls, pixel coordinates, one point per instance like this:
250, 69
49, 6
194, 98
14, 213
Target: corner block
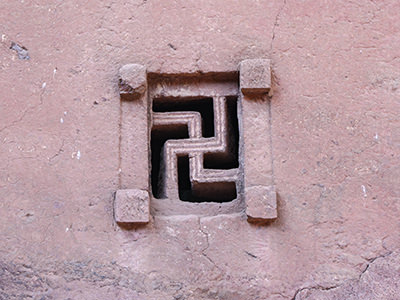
261, 204
132, 206
255, 76
133, 79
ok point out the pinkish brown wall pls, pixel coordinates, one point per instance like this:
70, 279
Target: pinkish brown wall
335, 143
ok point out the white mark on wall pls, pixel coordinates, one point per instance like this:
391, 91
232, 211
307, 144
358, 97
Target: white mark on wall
44, 85
76, 154
171, 231
364, 190
62, 119
376, 137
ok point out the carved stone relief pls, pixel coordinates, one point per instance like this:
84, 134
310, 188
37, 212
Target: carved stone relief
195, 144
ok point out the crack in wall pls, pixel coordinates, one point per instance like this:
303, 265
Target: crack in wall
317, 287
203, 251
371, 261
323, 288
276, 24
21, 118
60, 150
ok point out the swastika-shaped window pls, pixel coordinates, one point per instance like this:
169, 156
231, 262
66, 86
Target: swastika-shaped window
195, 144
194, 148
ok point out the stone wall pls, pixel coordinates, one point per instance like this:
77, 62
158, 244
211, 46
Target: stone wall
335, 140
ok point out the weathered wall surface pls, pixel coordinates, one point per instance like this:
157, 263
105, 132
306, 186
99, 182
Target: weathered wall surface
335, 142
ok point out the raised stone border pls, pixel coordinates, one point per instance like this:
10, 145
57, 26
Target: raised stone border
255, 177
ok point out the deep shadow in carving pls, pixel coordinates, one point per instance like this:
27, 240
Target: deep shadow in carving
223, 191
207, 192
229, 160
158, 137
203, 105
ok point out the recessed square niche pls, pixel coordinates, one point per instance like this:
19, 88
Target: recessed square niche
192, 142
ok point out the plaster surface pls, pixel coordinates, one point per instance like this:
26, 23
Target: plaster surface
335, 144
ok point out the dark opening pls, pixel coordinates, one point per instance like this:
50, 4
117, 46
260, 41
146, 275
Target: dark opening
199, 192
229, 160
158, 138
203, 105
203, 192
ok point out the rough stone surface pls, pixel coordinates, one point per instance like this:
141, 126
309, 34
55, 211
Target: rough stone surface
335, 136
132, 79
255, 76
379, 280
261, 203
132, 206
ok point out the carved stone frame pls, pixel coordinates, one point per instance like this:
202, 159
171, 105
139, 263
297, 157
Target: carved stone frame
256, 196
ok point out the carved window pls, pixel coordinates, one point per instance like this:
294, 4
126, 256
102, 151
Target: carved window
195, 144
